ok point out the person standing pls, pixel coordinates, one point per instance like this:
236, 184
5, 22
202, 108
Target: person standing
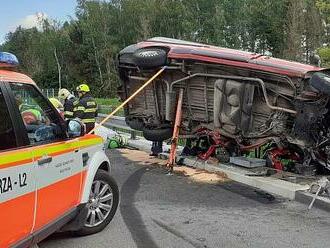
85, 108
156, 148
68, 103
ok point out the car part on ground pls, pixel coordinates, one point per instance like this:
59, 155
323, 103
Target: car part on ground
238, 101
118, 141
322, 186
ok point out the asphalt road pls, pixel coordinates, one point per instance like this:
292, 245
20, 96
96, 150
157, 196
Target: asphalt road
158, 210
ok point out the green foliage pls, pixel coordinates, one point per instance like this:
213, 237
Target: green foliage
84, 49
325, 56
114, 102
107, 105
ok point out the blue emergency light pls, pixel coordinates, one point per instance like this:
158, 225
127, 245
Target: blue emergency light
8, 60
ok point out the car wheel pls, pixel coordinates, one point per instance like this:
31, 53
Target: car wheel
160, 134
136, 124
320, 81
102, 204
148, 58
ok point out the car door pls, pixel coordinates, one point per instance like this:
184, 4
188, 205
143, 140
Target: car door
58, 159
17, 178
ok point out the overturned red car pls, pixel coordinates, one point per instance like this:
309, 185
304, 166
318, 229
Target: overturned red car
235, 102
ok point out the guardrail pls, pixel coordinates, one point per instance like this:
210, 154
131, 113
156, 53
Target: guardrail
118, 123
106, 109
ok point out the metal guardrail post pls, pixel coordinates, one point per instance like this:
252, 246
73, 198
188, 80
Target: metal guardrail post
133, 135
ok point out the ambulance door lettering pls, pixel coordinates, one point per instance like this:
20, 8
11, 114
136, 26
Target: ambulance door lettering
8, 184
5, 185
22, 180
15, 181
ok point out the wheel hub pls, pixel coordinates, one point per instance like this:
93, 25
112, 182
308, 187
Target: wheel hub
94, 203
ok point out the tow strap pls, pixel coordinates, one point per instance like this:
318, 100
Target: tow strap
129, 99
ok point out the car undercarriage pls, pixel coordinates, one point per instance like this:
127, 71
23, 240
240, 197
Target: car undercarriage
279, 114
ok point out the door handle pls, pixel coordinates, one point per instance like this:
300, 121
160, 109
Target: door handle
45, 160
85, 158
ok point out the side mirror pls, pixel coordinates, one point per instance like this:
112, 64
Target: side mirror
76, 128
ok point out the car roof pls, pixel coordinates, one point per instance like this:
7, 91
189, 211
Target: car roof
11, 76
179, 49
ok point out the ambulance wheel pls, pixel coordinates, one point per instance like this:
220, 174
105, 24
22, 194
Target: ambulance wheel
102, 204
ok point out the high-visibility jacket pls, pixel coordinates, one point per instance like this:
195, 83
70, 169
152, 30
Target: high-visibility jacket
86, 110
69, 107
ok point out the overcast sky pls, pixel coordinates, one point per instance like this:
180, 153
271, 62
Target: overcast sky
24, 12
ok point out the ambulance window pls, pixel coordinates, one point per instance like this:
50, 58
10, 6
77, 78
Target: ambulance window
7, 135
42, 123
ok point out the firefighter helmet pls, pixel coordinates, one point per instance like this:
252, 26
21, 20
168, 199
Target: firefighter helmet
83, 88
63, 94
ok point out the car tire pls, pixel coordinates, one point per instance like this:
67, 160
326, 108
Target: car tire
148, 58
160, 134
107, 206
321, 82
135, 124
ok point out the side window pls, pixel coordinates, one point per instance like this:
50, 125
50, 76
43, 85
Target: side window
42, 123
7, 134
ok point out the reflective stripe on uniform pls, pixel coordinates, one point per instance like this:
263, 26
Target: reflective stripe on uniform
79, 108
91, 103
88, 120
91, 110
69, 113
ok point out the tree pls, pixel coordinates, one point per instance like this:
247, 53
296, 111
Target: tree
84, 49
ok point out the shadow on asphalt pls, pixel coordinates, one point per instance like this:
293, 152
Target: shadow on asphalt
251, 193
133, 219
131, 215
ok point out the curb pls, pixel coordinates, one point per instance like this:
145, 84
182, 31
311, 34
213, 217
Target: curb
268, 184
271, 185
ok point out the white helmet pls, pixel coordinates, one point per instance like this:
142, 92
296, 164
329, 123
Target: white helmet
63, 94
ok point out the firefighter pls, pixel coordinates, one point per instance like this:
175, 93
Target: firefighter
86, 107
58, 105
68, 103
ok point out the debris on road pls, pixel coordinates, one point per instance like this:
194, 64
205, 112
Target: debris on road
196, 175
323, 186
201, 175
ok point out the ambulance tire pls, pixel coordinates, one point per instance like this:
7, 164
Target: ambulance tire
104, 177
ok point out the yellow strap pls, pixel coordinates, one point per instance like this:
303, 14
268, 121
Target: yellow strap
130, 98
